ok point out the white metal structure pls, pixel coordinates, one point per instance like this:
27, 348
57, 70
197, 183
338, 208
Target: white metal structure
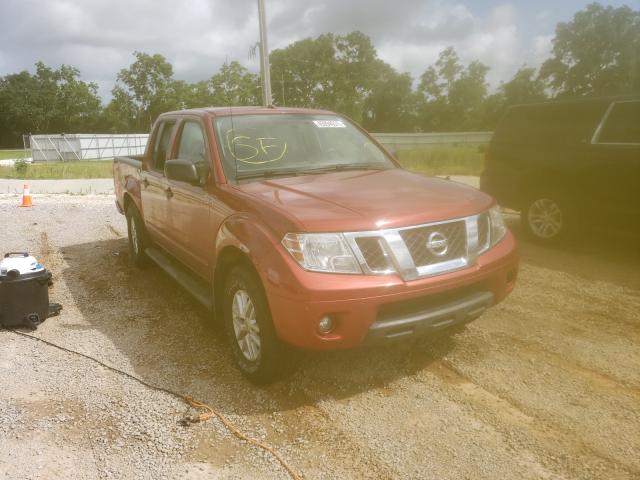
51, 148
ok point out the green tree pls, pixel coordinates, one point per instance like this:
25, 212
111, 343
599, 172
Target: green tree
150, 86
451, 97
335, 72
390, 107
597, 53
77, 104
234, 85
303, 74
48, 101
121, 114
524, 87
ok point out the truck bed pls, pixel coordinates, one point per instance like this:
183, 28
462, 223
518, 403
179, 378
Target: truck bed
126, 174
134, 160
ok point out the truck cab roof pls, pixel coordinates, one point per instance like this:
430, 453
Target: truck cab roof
251, 110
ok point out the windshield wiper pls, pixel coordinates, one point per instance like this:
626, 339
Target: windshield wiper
347, 166
268, 174
293, 172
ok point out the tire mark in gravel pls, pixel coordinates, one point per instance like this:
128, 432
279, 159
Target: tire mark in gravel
313, 423
511, 418
114, 231
593, 377
45, 247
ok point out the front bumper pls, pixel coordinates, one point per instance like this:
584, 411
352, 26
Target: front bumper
368, 309
430, 319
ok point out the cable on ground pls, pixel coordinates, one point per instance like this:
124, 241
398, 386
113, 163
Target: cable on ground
207, 414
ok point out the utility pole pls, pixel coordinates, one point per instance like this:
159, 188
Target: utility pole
264, 57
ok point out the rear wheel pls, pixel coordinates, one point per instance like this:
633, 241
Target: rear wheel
545, 218
138, 238
258, 352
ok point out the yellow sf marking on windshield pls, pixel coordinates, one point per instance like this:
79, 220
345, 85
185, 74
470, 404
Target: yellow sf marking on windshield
254, 152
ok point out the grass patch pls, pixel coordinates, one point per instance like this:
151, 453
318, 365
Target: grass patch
11, 154
466, 159
463, 159
60, 170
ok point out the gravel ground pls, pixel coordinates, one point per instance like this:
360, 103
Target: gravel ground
545, 385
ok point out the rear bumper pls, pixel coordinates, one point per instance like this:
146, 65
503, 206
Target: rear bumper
505, 186
376, 309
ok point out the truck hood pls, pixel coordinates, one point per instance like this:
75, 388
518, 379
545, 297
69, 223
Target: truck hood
367, 200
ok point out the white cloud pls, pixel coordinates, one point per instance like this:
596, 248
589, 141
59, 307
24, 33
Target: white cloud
541, 48
197, 36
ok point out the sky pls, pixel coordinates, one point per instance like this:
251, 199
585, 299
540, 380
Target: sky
198, 36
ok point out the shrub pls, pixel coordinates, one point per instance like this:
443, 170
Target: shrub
21, 167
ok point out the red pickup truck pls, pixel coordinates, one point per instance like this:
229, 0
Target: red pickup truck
297, 229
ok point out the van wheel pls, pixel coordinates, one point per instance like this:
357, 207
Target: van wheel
545, 218
256, 349
138, 238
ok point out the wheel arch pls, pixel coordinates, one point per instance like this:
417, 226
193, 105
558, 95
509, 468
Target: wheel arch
240, 240
227, 258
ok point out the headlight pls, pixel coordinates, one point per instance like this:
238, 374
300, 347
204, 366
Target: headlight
321, 252
498, 228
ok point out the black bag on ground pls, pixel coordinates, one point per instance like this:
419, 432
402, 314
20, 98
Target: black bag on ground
24, 294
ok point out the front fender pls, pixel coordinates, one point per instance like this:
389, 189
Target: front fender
262, 248
247, 234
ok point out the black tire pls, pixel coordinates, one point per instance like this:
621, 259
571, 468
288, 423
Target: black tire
546, 218
269, 363
138, 237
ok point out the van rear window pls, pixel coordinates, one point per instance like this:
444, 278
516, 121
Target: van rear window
622, 124
550, 124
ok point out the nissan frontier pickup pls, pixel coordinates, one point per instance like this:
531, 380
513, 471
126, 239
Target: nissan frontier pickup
300, 232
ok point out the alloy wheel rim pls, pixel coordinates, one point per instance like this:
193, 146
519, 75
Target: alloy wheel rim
245, 326
545, 218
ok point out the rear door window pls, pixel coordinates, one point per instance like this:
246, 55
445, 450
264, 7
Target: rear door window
622, 124
161, 146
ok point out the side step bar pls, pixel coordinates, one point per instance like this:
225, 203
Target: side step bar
196, 287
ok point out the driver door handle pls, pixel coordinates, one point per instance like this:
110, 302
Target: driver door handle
169, 192
145, 182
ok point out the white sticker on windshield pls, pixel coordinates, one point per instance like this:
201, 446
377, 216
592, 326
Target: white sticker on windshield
329, 124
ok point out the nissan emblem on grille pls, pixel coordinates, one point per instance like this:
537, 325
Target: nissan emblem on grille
437, 244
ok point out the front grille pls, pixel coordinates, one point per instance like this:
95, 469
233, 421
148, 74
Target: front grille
373, 253
422, 250
421, 242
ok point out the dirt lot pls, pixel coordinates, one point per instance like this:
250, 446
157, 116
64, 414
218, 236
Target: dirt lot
545, 385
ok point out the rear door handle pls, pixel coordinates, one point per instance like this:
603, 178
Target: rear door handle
145, 182
169, 192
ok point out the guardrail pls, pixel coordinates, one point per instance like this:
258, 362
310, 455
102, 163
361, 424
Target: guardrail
51, 148
415, 140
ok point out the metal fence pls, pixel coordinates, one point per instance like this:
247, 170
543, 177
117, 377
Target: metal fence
51, 148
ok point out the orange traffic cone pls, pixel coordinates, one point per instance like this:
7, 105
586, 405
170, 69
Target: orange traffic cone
26, 197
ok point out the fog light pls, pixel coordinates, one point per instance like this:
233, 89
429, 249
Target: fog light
325, 325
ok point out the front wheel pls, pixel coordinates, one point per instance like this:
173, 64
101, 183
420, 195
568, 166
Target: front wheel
256, 349
545, 218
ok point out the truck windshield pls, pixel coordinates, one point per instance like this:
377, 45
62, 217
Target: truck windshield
257, 146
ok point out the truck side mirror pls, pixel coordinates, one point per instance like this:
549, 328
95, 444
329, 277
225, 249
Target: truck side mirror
182, 171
